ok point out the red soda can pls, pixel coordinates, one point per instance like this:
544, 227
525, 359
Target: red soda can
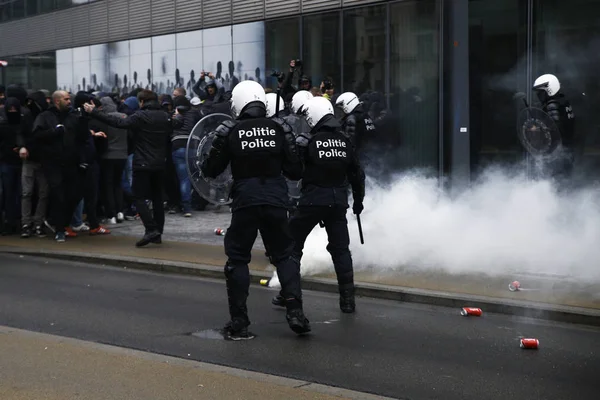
476, 312
514, 286
530, 343
219, 232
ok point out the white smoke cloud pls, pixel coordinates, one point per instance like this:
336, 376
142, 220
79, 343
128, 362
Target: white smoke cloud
502, 224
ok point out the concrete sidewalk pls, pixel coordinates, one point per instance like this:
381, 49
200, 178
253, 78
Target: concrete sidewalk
46, 367
548, 297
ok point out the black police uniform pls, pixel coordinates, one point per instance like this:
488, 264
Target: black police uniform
357, 125
330, 164
561, 111
259, 150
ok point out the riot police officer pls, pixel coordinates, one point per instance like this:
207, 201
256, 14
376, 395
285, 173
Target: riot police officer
355, 122
556, 105
260, 152
330, 164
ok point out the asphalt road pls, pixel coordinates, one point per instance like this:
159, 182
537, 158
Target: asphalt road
399, 350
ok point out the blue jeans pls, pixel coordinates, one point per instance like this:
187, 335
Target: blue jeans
185, 186
77, 219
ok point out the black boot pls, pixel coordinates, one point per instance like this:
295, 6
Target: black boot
148, 238
295, 316
278, 301
347, 303
237, 329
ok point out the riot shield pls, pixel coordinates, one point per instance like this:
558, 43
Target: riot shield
216, 191
538, 132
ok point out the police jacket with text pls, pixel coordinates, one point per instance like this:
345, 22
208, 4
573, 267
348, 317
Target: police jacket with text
357, 125
330, 165
262, 152
561, 111
151, 130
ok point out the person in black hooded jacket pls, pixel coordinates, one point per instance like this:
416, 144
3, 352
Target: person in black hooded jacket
33, 179
151, 130
12, 126
61, 134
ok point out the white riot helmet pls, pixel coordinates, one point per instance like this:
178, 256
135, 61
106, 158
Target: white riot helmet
315, 109
347, 102
272, 103
548, 83
299, 100
244, 93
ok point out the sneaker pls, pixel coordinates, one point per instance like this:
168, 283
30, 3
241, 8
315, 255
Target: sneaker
242, 334
278, 301
39, 231
60, 237
80, 228
49, 226
187, 214
70, 233
99, 231
120, 217
25, 231
298, 321
173, 210
111, 221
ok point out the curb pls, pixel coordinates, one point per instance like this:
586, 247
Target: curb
543, 311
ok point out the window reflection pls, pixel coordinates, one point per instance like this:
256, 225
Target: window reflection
321, 44
282, 44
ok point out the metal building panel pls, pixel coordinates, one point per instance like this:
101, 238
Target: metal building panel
216, 13
351, 3
318, 5
44, 23
248, 10
79, 19
139, 18
163, 17
98, 14
118, 20
188, 15
63, 30
278, 8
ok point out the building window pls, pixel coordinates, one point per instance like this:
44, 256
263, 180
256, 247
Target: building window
364, 49
414, 86
321, 48
282, 44
18, 9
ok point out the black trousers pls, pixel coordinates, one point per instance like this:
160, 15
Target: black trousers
272, 222
66, 184
149, 185
112, 190
90, 194
306, 218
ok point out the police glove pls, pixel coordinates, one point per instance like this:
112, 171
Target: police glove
357, 208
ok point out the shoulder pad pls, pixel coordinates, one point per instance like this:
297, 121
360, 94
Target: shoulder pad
286, 127
303, 139
553, 105
225, 128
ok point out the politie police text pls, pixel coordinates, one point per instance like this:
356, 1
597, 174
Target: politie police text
330, 148
257, 138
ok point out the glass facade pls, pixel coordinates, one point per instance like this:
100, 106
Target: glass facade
16, 9
512, 42
389, 53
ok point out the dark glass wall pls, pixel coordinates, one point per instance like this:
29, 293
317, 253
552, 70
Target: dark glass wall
321, 47
32, 71
16, 9
497, 70
282, 41
414, 83
566, 43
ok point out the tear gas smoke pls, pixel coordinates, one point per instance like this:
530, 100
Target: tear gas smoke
502, 224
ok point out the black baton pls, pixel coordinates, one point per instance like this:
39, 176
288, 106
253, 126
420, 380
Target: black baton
362, 239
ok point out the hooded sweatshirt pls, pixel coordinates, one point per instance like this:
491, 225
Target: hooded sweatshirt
117, 137
12, 125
